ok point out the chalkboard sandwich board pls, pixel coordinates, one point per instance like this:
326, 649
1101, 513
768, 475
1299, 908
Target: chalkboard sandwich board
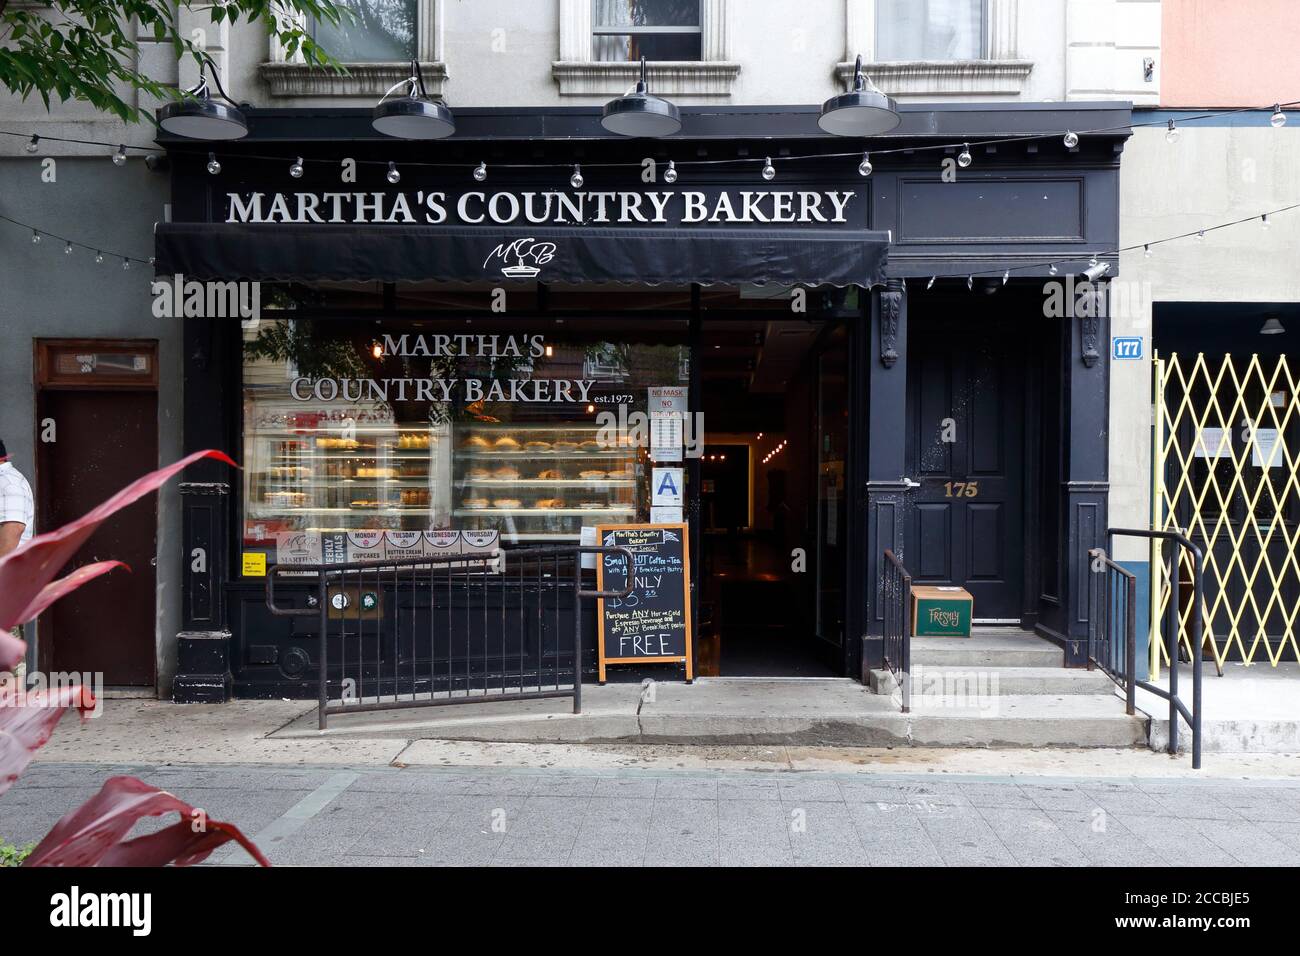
652, 625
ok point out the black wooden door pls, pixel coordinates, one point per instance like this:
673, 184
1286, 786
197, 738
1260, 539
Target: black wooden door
966, 449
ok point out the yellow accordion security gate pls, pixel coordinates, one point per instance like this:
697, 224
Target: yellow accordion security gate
1225, 459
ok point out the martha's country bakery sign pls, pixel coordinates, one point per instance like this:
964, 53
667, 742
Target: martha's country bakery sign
556, 207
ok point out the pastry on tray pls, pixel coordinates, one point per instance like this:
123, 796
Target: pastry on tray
536, 445
565, 446
591, 474
477, 441
506, 443
506, 503
506, 473
478, 473
550, 474
476, 502
590, 445
549, 503
591, 505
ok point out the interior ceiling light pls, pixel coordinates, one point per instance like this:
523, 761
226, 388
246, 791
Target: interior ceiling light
862, 111
199, 116
415, 115
639, 114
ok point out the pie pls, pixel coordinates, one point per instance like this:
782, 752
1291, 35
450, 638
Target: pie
591, 474
506, 503
506, 473
478, 473
551, 474
477, 441
537, 445
549, 503
506, 443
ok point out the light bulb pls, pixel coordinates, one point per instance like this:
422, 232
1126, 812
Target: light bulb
1278, 118
67, 250
769, 171
480, 172
865, 167
295, 170
930, 285
119, 158
1006, 276
126, 264
576, 179
670, 174
1172, 134
970, 283
1146, 252
1200, 236
964, 157
36, 238
393, 176
1263, 221
214, 167
34, 145
1071, 139
99, 256
1052, 270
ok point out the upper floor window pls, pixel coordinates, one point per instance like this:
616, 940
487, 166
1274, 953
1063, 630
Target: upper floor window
931, 29
626, 30
379, 31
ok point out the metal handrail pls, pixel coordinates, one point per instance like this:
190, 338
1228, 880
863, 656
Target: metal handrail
1101, 628
896, 594
1176, 705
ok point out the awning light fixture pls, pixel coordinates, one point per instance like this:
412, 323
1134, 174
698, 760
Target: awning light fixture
638, 113
199, 116
1272, 325
862, 111
415, 115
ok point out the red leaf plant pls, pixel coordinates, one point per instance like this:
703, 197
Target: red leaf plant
93, 834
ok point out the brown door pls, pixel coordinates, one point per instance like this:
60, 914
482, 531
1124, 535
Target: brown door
106, 436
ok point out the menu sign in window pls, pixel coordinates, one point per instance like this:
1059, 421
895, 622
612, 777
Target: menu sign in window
652, 625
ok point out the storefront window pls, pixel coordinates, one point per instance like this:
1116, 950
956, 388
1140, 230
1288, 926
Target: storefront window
529, 430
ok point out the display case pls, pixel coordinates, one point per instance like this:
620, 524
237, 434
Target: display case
534, 482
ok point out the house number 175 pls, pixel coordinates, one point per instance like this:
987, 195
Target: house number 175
961, 489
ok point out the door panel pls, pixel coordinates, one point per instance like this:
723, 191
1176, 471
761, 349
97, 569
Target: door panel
105, 441
965, 447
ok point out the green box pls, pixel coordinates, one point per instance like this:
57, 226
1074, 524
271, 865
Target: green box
941, 611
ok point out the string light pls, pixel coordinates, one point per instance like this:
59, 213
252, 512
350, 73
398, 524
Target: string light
480, 172
126, 263
964, 157
67, 250
1006, 276
36, 238
670, 174
1200, 236
1263, 221
393, 176
99, 256
1171, 133
970, 283
1146, 251
865, 167
1071, 139
576, 179
214, 167
769, 171
930, 285
1052, 270
295, 169
34, 144
119, 158
1278, 118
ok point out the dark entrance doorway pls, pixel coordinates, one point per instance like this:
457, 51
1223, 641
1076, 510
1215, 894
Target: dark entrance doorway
966, 448
772, 504
101, 400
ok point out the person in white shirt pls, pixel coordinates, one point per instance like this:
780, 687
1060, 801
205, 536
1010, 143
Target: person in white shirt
17, 524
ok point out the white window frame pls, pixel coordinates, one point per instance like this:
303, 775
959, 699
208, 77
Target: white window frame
290, 76
999, 72
577, 74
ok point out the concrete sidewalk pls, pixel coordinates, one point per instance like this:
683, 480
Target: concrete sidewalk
278, 733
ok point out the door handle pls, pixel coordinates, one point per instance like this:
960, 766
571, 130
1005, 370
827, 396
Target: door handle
909, 483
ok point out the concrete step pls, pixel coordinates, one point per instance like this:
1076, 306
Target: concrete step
932, 679
760, 712
1010, 648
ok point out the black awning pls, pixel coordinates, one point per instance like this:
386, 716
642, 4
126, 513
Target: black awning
384, 253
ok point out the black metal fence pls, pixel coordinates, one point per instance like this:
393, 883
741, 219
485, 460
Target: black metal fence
1112, 624
1184, 554
896, 608
451, 629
